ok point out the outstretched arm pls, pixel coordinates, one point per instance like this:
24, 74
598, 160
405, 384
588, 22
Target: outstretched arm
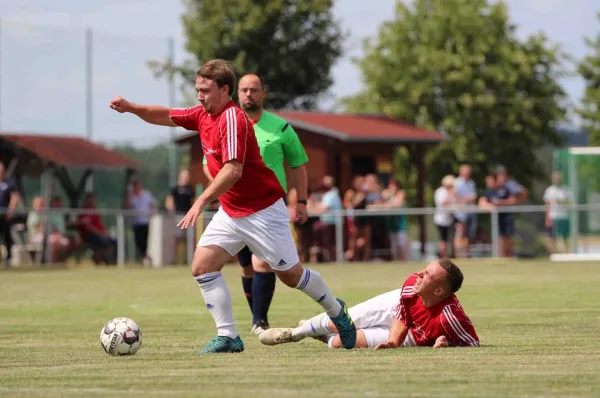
153, 114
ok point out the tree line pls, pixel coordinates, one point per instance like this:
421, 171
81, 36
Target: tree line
454, 66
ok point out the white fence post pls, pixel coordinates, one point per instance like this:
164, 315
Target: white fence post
120, 240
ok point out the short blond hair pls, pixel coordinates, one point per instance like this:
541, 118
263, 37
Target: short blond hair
219, 71
448, 181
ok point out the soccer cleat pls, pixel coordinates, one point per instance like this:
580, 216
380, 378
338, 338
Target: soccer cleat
259, 327
276, 336
345, 327
223, 344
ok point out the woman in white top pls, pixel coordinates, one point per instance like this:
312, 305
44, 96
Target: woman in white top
444, 198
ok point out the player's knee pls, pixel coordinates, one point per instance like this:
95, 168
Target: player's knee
260, 266
208, 259
335, 342
291, 277
247, 272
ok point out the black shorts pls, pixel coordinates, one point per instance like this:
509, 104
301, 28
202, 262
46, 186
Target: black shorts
245, 257
506, 225
444, 232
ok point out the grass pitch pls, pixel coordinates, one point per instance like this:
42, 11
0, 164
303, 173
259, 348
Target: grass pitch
538, 323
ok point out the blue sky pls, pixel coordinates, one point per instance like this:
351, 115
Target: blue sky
43, 57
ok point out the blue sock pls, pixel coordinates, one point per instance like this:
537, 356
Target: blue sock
263, 287
247, 285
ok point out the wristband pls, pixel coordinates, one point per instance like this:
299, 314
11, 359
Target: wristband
302, 201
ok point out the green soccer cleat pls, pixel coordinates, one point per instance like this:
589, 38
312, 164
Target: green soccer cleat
222, 344
345, 327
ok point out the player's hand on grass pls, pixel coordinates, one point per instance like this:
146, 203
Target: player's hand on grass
386, 345
120, 105
440, 342
191, 216
301, 213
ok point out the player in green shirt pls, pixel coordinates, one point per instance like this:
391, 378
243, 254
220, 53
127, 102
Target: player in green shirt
278, 144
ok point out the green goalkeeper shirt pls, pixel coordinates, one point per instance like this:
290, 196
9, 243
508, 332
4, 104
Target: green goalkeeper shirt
278, 143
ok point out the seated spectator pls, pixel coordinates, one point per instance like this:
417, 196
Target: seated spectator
35, 227
60, 246
93, 233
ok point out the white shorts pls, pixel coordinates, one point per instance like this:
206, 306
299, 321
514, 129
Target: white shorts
375, 316
267, 233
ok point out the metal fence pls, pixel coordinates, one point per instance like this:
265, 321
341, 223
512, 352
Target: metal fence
530, 233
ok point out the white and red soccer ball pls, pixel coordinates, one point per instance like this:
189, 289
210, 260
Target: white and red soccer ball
121, 336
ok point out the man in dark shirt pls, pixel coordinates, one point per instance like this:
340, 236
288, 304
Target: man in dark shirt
179, 202
9, 198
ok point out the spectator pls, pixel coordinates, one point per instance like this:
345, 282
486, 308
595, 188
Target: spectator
466, 222
35, 228
557, 197
178, 203
325, 228
93, 233
444, 198
9, 199
508, 193
59, 242
394, 198
359, 230
143, 204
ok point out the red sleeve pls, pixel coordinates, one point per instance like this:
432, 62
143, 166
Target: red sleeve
403, 307
187, 117
234, 128
459, 329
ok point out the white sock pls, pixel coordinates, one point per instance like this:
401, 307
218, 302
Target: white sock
313, 285
315, 326
218, 301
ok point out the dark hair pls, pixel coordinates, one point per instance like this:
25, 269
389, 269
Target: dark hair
219, 71
455, 276
262, 81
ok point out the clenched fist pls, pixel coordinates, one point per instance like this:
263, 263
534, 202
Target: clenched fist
120, 105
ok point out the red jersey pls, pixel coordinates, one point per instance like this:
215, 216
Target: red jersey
426, 324
226, 136
91, 219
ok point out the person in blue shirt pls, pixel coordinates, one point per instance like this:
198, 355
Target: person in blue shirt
503, 191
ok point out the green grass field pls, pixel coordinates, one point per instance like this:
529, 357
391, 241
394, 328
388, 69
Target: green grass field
538, 323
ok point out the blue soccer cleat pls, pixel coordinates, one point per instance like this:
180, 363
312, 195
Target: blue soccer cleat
223, 344
345, 327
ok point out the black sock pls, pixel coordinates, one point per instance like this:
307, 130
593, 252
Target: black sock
263, 288
247, 285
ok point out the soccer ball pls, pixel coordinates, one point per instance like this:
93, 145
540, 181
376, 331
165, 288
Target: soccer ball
121, 336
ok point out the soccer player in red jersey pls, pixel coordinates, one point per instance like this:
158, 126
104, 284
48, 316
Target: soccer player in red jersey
252, 211
424, 313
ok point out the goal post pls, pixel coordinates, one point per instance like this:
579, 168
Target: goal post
580, 170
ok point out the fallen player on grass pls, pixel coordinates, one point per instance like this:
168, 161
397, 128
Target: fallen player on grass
424, 313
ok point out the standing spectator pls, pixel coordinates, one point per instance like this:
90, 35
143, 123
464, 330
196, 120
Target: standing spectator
178, 203
359, 230
394, 197
325, 229
557, 197
9, 199
466, 222
444, 198
508, 193
143, 204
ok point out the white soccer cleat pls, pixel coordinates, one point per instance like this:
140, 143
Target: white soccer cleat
258, 329
276, 336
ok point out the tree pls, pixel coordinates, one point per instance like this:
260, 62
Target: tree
456, 66
292, 44
589, 68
